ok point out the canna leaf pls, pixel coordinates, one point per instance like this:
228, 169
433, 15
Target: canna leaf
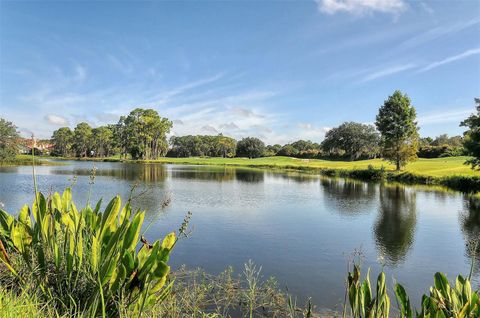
95, 253
131, 237
111, 212
169, 241
403, 301
66, 199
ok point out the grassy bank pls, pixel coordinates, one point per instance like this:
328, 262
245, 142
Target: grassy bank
26, 160
450, 172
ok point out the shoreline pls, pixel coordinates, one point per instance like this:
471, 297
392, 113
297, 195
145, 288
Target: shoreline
364, 170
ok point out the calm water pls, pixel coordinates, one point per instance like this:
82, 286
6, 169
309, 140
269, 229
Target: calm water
300, 228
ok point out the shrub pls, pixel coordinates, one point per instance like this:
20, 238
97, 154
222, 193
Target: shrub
87, 260
440, 151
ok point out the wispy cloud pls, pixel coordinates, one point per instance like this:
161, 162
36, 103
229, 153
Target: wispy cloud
444, 116
311, 132
210, 129
450, 59
387, 71
437, 33
361, 7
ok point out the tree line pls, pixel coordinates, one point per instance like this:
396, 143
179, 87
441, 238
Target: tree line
142, 134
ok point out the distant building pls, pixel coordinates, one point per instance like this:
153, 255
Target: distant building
41, 146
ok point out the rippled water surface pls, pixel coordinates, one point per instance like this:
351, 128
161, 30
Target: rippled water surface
300, 228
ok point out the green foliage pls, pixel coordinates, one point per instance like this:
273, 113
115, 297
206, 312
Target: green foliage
450, 301
62, 140
352, 140
288, 151
85, 260
102, 140
443, 139
82, 138
272, 150
440, 151
199, 146
440, 147
360, 296
444, 300
250, 147
471, 140
9, 138
396, 123
146, 134
299, 149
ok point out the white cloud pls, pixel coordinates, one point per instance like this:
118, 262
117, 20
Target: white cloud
361, 7
387, 71
57, 120
427, 8
450, 59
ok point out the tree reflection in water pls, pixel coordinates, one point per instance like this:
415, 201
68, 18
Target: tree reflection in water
470, 226
349, 197
394, 228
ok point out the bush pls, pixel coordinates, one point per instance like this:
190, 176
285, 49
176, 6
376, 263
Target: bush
440, 151
86, 260
462, 183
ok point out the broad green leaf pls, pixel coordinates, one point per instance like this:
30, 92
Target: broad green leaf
131, 237
111, 212
169, 241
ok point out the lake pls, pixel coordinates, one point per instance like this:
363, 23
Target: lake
300, 228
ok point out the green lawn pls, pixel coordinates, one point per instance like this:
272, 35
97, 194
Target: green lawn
438, 167
26, 160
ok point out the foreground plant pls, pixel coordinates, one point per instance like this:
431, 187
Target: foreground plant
444, 300
84, 261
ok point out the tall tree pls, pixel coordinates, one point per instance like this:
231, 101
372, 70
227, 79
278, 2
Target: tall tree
62, 139
227, 146
82, 137
102, 140
146, 133
9, 138
471, 141
398, 128
250, 147
354, 140
120, 140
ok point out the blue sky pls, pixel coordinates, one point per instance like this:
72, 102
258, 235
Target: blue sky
279, 70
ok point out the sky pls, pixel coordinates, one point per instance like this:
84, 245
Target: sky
278, 70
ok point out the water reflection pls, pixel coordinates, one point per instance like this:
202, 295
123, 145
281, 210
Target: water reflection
250, 176
394, 228
129, 172
348, 197
470, 225
200, 173
297, 177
